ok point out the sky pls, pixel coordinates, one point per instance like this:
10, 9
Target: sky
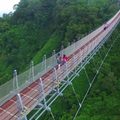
6, 6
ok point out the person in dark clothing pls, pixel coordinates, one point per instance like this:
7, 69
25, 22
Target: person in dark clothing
105, 26
59, 58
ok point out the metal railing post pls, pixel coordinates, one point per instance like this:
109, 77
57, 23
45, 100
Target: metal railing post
32, 70
57, 82
54, 57
42, 92
45, 66
16, 85
20, 106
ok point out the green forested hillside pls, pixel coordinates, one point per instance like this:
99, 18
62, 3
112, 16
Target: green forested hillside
39, 26
102, 102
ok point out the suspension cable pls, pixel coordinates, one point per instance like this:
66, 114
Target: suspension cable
94, 79
75, 95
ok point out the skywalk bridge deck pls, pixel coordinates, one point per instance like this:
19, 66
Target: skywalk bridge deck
22, 94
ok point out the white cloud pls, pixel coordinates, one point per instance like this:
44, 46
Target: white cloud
6, 6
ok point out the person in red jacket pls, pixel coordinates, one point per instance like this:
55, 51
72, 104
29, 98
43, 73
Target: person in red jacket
65, 59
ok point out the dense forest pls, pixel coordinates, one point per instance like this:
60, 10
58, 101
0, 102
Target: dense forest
38, 27
102, 102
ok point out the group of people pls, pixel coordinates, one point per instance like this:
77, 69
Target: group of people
61, 59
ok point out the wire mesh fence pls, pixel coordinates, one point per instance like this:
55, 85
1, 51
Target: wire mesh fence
8, 90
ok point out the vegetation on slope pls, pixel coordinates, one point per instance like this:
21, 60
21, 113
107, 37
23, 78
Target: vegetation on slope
102, 102
39, 26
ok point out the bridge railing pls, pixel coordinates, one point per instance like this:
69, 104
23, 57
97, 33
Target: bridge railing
8, 89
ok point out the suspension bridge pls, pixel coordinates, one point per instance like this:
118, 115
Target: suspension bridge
38, 87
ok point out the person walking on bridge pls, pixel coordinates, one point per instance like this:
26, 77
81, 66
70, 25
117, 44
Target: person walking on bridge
105, 26
59, 60
65, 59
